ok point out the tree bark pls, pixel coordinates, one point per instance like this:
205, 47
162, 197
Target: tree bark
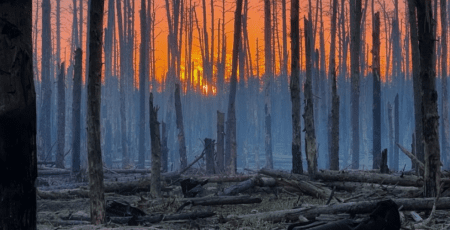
17, 118
297, 166
391, 136
268, 78
61, 116
397, 133
308, 115
355, 31
164, 149
231, 114
76, 112
383, 162
285, 53
334, 129
96, 187
430, 117
370, 178
376, 109
180, 127
155, 186
209, 149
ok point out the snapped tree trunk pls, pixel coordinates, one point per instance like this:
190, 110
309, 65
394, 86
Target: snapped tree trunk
155, 186
308, 115
96, 186
297, 166
164, 148
355, 31
430, 117
376, 109
76, 112
18, 166
180, 127
209, 149
231, 114
220, 141
61, 116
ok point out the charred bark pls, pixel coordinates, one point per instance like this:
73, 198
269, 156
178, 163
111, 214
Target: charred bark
61, 116
76, 112
155, 187
376, 109
220, 141
180, 127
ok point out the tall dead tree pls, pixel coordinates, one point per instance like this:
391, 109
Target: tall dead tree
143, 74
267, 81
397, 132
430, 117
18, 164
308, 115
180, 127
445, 129
334, 148
376, 109
220, 141
61, 116
76, 112
46, 89
231, 114
155, 185
355, 31
285, 52
417, 85
297, 166
96, 187
58, 32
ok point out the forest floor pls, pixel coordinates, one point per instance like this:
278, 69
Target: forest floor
73, 212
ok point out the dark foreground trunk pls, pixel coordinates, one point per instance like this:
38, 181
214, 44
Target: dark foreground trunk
18, 162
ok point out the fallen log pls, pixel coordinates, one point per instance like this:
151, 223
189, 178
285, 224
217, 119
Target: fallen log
283, 174
139, 220
247, 184
52, 172
402, 180
224, 200
308, 188
352, 186
64, 222
222, 178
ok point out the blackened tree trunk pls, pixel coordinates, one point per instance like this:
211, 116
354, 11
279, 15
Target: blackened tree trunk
231, 114
61, 116
308, 115
391, 135
58, 32
355, 31
417, 85
397, 133
297, 166
96, 187
76, 113
164, 148
180, 127
209, 152
18, 164
334, 148
376, 109
445, 116
143, 74
155, 180
45, 123
430, 117
285, 53
220, 141
267, 81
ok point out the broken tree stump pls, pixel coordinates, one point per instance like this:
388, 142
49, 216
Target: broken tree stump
384, 167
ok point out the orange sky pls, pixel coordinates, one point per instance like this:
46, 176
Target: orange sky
255, 28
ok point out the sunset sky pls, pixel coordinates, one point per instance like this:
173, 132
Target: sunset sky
255, 28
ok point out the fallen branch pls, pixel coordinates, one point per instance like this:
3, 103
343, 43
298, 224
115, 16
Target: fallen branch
224, 200
411, 156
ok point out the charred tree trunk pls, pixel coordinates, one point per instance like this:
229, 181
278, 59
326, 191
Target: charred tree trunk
397, 133
18, 166
231, 114
76, 113
164, 149
391, 135
308, 115
46, 89
430, 117
61, 116
445, 129
143, 74
297, 166
96, 186
180, 127
383, 161
417, 85
376, 109
334, 132
155, 185
220, 141
209, 150
355, 30
268, 78
285, 53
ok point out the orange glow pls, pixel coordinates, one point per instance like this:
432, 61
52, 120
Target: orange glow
255, 31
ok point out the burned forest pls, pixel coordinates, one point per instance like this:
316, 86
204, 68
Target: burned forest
224, 114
